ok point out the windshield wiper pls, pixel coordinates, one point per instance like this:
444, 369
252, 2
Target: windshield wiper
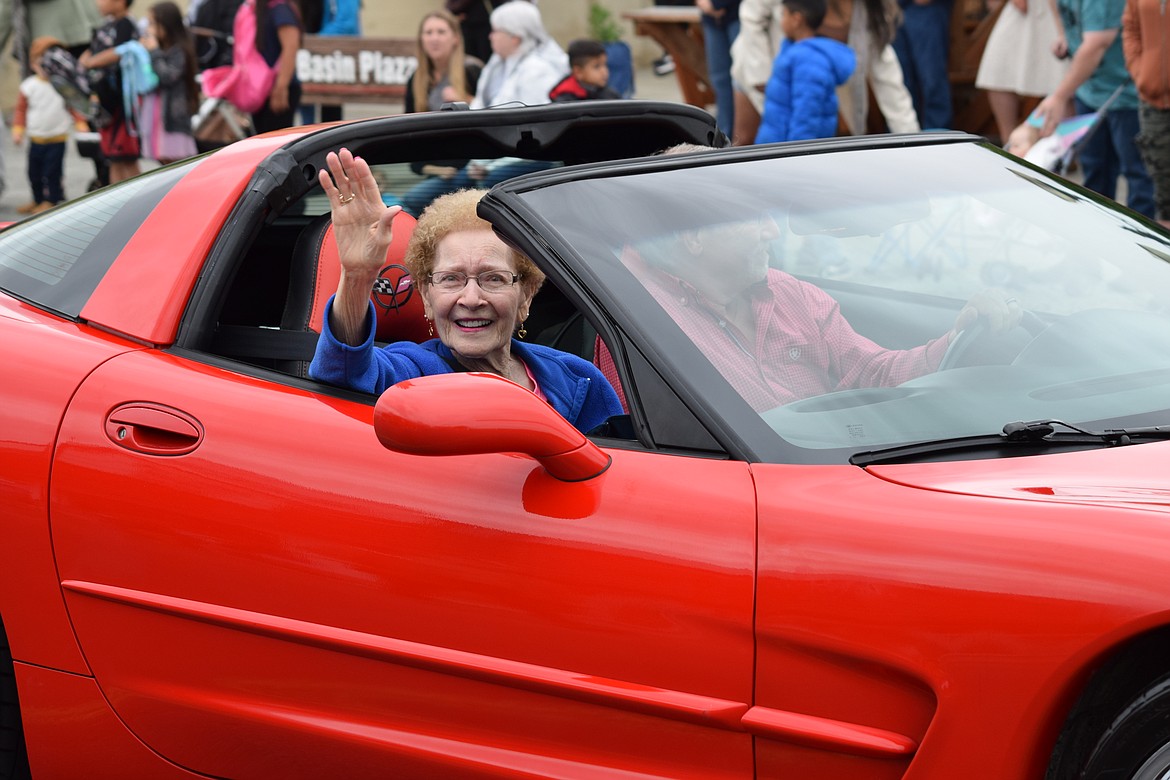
1037, 433
1038, 430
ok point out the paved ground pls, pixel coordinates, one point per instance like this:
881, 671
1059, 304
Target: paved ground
80, 171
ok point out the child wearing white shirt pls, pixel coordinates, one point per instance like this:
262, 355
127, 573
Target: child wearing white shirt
44, 121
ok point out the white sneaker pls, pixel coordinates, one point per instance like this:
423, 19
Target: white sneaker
664, 65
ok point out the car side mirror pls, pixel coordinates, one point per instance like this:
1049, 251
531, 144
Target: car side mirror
475, 414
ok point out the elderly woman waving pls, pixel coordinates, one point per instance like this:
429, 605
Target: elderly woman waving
476, 291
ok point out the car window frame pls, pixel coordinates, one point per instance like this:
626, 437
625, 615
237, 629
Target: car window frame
715, 404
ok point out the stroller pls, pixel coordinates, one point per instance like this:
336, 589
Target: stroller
217, 123
1055, 152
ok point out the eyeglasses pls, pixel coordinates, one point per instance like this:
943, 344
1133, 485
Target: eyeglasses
488, 281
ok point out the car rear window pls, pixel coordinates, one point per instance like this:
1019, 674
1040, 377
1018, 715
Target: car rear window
56, 260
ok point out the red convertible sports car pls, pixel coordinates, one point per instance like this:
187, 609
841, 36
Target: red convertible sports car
890, 498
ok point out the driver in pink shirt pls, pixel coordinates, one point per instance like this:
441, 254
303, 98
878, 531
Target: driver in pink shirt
775, 338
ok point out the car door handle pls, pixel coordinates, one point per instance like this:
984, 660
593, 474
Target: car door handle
153, 429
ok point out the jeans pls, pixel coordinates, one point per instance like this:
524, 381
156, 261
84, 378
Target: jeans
1111, 150
266, 119
921, 45
46, 166
308, 113
420, 195
717, 38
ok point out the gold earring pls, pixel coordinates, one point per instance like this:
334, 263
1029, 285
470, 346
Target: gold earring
430, 327
522, 332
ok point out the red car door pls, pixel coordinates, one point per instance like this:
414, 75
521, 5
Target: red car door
837, 694
262, 590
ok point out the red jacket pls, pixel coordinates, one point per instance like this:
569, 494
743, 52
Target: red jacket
1145, 37
569, 89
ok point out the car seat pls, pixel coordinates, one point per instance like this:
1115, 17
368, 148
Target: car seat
603, 359
314, 275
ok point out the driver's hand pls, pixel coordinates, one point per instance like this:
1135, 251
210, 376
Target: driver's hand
1000, 311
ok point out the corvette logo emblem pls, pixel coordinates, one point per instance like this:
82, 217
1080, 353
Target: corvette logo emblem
393, 288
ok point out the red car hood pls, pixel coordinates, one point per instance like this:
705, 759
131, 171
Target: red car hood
1134, 475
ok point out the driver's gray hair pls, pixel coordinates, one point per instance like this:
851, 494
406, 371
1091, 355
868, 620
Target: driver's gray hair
687, 148
662, 251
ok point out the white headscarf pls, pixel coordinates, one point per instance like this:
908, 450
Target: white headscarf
522, 20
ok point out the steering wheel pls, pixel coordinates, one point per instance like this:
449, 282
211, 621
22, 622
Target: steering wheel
978, 345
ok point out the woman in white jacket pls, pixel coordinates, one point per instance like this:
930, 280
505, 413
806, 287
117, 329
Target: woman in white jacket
868, 31
519, 72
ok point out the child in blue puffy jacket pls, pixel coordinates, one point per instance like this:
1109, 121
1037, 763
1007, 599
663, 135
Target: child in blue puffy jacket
800, 100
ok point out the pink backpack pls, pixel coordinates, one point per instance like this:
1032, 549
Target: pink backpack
247, 82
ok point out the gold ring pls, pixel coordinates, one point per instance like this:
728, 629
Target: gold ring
343, 199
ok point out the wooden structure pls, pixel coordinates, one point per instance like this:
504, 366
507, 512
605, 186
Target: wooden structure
679, 32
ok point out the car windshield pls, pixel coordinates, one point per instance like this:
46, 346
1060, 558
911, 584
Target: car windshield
823, 288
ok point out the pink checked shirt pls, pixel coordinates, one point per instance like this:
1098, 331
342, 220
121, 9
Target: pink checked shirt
803, 345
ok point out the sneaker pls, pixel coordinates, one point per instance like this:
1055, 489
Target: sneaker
664, 65
42, 206
27, 208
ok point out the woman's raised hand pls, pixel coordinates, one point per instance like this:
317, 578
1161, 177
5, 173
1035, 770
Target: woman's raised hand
361, 227
361, 221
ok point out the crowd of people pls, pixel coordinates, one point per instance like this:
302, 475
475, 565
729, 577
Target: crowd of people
779, 70
1069, 58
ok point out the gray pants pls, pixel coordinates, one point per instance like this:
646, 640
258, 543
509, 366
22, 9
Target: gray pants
1154, 143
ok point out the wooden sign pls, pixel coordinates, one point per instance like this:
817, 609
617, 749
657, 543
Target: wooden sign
341, 69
